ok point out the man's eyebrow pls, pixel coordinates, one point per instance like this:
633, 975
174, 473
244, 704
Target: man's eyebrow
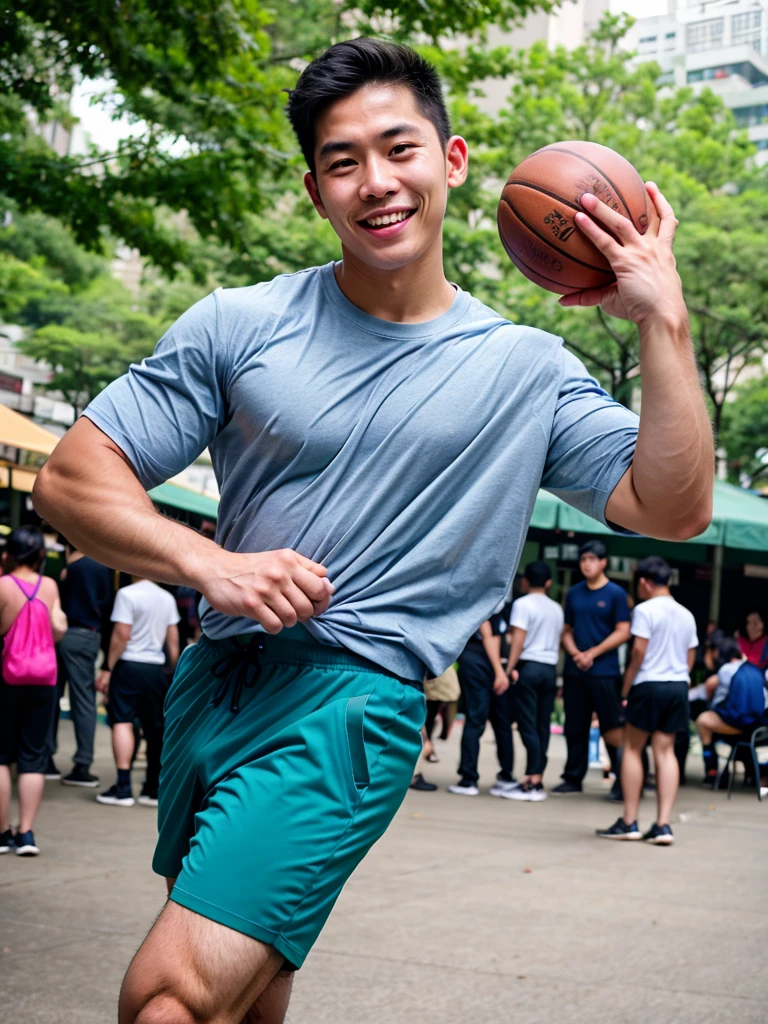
389, 133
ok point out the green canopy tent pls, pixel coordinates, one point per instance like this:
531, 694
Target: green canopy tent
177, 497
739, 526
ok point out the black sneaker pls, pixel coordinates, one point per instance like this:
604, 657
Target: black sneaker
148, 797
659, 835
80, 776
419, 782
619, 830
52, 773
616, 795
116, 797
566, 787
24, 844
7, 841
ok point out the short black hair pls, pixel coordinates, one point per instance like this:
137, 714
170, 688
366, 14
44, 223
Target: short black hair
26, 546
593, 547
348, 66
655, 569
728, 649
538, 573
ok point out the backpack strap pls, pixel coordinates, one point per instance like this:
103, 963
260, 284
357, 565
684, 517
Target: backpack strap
33, 595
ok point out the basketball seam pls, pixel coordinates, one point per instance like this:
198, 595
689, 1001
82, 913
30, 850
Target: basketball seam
568, 255
570, 152
518, 259
546, 192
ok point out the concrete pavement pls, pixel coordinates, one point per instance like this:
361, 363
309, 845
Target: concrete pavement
469, 910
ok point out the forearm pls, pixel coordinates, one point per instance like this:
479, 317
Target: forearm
616, 639
492, 646
672, 470
629, 676
89, 492
117, 647
515, 649
569, 644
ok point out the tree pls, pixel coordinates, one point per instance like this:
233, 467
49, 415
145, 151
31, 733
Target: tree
205, 75
744, 433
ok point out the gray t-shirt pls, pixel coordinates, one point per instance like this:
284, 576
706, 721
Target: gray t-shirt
405, 457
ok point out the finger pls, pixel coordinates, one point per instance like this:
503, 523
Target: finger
586, 297
299, 601
282, 608
602, 241
668, 224
654, 220
616, 224
307, 563
317, 590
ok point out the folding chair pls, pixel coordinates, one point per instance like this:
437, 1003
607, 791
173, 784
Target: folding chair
744, 743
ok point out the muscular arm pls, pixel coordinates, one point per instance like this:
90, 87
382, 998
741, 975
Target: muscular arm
667, 491
88, 490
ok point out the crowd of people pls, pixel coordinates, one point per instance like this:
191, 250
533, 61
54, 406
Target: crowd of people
83, 635
507, 675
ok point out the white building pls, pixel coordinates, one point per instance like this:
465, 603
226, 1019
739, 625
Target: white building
721, 44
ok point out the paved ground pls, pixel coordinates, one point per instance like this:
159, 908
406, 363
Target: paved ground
469, 910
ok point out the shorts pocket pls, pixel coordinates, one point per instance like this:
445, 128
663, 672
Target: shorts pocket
354, 721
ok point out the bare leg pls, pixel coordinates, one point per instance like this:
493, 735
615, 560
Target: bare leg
667, 774
709, 722
122, 744
5, 796
31, 786
190, 970
632, 771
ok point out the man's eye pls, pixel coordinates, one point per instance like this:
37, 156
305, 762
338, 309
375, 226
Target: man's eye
341, 163
402, 146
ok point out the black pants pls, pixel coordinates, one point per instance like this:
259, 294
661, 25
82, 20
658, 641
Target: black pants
533, 698
77, 653
25, 726
136, 693
481, 704
582, 696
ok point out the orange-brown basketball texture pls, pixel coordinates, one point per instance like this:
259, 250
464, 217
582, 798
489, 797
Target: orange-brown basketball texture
537, 206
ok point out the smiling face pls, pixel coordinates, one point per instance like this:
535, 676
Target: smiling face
382, 176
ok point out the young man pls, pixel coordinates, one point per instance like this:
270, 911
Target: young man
86, 597
596, 625
739, 698
536, 624
365, 420
133, 680
484, 687
656, 685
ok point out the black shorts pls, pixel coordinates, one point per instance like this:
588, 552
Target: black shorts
26, 714
137, 692
658, 706
603, 693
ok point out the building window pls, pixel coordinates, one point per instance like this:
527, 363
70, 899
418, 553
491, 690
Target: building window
647, 39
705, 35
671, 35
745, 28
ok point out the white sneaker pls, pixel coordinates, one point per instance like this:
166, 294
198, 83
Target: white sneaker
502, 788
533, 794
464, 790
115, 799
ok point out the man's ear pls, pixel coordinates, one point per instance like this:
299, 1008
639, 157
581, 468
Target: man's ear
457, 161
311, 186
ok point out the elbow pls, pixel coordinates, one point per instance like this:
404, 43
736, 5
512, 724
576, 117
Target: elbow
695, 523
43, 493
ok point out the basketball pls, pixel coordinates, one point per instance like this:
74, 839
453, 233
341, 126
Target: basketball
537, 207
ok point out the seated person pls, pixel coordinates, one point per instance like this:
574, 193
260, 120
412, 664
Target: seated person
738, 702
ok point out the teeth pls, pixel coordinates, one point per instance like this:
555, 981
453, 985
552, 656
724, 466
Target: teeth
390, 218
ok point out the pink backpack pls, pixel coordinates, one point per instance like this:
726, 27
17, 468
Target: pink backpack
29, 656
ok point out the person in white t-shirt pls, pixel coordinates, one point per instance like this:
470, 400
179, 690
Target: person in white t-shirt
656, 685
134, 682
536, 624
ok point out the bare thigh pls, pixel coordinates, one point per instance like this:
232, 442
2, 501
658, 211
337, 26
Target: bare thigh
711, 720
192, 969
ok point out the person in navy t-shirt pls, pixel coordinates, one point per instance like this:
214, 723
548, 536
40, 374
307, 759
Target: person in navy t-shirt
596, 625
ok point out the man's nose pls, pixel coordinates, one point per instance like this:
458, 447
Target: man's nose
378, 180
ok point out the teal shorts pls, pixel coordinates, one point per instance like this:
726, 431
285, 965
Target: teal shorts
281, 767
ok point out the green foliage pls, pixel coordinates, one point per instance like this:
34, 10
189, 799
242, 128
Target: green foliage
745, 433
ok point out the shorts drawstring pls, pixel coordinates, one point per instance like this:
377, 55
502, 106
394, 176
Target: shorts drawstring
235, 666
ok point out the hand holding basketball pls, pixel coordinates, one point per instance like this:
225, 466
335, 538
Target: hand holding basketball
647, 281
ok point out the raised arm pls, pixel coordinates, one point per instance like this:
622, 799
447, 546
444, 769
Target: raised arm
89, 491
667, 490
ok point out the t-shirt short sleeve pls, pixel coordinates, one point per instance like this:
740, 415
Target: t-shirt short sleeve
172, 612
620, 606
164, 412
641, 625
521, 618
591, 444
693, 639
123, 609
